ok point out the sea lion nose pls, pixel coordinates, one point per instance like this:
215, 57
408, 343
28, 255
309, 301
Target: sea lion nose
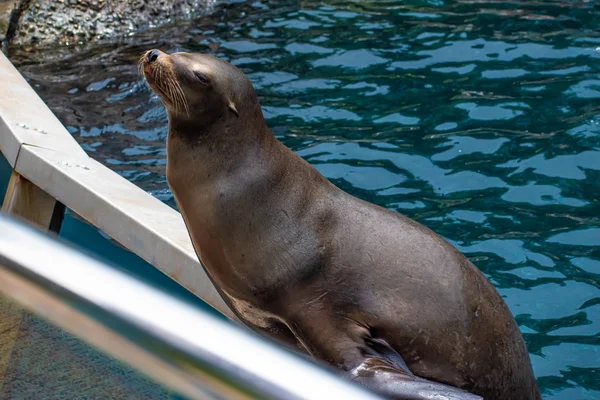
152, 55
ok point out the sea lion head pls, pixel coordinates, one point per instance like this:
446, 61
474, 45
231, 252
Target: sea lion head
199, 90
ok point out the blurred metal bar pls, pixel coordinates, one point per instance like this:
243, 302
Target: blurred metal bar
182, 347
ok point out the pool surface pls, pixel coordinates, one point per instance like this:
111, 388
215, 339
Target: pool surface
480, 120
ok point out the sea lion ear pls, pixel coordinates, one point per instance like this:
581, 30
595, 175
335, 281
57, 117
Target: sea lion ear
232, 108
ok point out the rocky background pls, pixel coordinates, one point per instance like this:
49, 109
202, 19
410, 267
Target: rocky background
63, 22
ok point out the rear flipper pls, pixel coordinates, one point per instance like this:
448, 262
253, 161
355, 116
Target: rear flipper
370, 362
394, 383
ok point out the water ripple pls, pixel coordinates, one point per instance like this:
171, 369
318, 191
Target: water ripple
480, 119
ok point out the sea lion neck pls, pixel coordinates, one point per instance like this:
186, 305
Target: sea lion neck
216, 130
219, 148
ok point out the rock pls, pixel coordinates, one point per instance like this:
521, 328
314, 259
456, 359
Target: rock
6, 7
63, 22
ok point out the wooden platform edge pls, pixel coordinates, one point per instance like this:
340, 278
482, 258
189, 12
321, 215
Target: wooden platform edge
50, 165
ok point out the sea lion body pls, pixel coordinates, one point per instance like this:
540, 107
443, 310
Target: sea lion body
362, 288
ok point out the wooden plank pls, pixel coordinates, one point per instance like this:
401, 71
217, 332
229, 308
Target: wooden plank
133, 217
25, 118
26, 201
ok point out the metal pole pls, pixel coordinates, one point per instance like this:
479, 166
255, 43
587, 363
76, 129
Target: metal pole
178, 345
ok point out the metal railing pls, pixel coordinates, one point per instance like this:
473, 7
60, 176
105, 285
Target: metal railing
186, 349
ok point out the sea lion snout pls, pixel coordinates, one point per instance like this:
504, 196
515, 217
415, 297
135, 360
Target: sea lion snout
157, 68
149, 60
197, 87
152, 55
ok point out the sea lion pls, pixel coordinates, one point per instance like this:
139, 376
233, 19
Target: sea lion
366, 290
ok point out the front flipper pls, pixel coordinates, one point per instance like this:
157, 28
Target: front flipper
348, 346
394, 383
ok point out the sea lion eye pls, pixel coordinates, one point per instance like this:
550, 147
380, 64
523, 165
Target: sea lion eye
201, 77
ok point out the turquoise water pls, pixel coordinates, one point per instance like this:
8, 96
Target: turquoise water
480, 120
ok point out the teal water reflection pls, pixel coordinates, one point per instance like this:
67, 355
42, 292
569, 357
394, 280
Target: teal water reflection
480, 120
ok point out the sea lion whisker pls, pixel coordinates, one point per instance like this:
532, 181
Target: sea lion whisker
185, 102
161, 81
172, 94
171, 89
167, 89
142, 64
158, 73
181, 106
177, 92
181, 95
